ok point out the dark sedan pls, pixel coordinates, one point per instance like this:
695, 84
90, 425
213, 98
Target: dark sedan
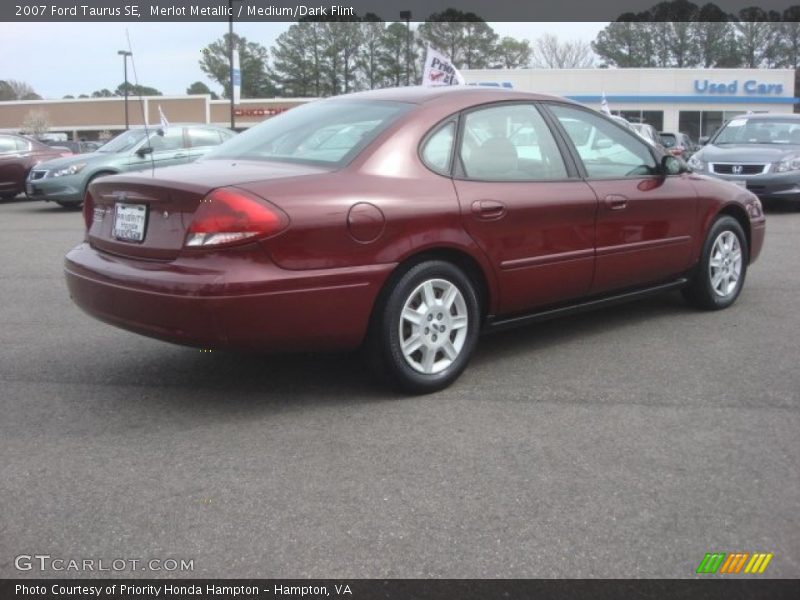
760, 152
407, 221
18, 155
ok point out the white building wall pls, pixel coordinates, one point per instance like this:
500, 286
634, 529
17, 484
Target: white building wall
667, 90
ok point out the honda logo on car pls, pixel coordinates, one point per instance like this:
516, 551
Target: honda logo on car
737, 169
751, 86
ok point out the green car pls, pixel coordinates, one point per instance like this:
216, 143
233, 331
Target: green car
64, 180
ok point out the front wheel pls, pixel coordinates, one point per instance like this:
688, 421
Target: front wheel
723, 265
426, 327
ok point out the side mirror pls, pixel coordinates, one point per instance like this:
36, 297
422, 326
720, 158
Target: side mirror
144, 151
672, 165
703, 140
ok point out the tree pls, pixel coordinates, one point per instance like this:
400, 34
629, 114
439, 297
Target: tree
513, 54
341, 40
297, 60
790, 32
198, 87
17, 90
757, 37
253, 58
623, 44
393, 57
136, 90
69, 97
715, 38
552, 53
369, 60
36, 122
104, 93
465, 38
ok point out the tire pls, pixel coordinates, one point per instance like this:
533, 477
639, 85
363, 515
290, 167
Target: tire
72, 205
8, 196
720, 275
439, 355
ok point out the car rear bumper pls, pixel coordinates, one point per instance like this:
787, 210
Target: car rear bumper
242, 302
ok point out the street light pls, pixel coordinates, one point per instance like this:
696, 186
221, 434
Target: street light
230, 55
406, 14
125, 54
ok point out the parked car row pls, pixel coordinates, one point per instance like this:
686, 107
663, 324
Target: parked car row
64, 181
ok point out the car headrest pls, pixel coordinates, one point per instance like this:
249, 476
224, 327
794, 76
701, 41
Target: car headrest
494, 158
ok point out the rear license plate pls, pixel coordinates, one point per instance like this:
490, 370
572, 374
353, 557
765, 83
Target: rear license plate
130, 221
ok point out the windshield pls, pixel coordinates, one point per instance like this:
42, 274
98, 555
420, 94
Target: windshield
330, 132
124, 141
759, 131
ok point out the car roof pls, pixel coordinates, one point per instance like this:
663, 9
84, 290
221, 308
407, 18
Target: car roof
465, 93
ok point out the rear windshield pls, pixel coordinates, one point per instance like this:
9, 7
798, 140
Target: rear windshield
759, 131
330, 132
668, 140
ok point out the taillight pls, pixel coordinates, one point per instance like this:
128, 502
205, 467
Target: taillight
232, 216
88, 210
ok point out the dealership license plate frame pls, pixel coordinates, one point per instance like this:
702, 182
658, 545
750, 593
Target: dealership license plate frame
739, 182
140, 226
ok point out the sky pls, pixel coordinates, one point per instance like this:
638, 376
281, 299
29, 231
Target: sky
57, 59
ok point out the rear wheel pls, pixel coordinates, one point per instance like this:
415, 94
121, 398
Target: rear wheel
723, 265
426, 327
8, 195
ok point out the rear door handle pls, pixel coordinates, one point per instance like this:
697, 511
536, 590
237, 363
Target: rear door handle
616, 202
488, 210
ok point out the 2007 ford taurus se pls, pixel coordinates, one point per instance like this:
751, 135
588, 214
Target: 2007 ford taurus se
407, 220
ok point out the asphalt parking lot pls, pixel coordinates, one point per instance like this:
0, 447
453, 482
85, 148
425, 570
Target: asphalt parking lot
623, 443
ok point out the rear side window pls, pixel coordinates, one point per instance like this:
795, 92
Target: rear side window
438, 148
203, 137
509, 142
606, 150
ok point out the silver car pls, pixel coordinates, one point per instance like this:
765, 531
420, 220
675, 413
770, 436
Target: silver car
760, 152
64, 181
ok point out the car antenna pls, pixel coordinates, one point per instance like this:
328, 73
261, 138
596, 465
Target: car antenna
141, 104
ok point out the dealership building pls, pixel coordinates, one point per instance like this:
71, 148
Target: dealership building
694, 101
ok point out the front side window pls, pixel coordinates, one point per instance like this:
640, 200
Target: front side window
199, 137
169, 141
606, 150
328, 132
509, 142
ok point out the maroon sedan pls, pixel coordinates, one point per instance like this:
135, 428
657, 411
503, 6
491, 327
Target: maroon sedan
17, 156
408, 221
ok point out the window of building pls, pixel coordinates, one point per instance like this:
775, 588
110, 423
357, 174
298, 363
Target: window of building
651, 117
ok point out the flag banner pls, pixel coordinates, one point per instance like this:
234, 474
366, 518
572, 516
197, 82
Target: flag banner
237, 77
604, 105
439, 70
163, 118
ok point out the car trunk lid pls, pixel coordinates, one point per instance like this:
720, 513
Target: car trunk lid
147, 215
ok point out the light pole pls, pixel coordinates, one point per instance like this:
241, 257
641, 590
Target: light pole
125, 54
406, 14
230, 55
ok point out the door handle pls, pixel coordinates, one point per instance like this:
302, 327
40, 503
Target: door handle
181, 155
488, 210
616, 202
